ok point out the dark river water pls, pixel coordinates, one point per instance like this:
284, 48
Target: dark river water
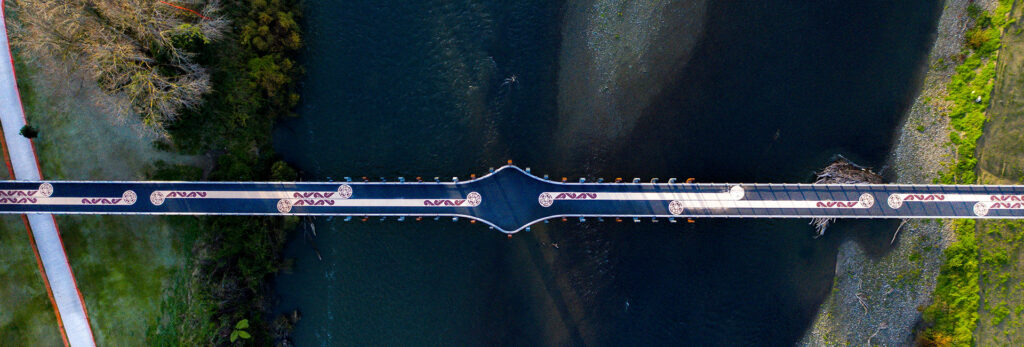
773, 90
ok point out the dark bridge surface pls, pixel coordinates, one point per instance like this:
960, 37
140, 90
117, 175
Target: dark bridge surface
511, 199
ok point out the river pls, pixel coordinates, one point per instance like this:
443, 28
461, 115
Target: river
765, 92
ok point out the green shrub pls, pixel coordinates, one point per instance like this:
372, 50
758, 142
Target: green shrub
29, 131
254, 81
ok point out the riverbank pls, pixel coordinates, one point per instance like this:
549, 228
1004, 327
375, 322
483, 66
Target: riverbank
940, 259
224, 293
211, 272
1001, 161
119, 263
877, 297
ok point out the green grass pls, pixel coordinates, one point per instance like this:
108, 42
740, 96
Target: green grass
121, 263
969, 91
1001, 245
26, 315
953, 314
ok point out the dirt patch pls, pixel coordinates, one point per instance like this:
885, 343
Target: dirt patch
1001, 148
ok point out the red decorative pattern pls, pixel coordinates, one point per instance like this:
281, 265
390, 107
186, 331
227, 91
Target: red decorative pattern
474, 199
837, 204
45, 189
895, 202
157, 198
545, 199
18, 192
318, 195
675, 207
313, 202
284, 206
129, 197
576, 196
925, 197
1006, 198
345, 191
867, 200
186, 194
981, 209
445, 202
18, 200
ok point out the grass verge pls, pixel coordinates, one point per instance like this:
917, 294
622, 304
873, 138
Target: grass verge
953, 315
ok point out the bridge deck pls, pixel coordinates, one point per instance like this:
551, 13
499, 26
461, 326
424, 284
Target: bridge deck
511, 199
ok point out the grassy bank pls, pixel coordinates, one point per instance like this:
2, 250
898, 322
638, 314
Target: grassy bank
1001, 161
211, 273
953, 315
120, 263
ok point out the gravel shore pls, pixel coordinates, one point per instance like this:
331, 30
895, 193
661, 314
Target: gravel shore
875, 299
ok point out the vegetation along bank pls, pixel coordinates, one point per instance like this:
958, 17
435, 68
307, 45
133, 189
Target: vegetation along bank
205, 80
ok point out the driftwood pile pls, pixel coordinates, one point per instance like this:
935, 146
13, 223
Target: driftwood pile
842, 171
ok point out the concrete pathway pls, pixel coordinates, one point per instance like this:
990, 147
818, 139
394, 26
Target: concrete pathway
70, 305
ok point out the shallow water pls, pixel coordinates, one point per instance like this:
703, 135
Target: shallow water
770, 93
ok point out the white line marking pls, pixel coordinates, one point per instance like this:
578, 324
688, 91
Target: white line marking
546, 199
983, 207
159, 196
896, 200
677, 207
472, 199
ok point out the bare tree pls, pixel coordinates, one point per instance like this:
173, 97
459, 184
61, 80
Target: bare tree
140, 50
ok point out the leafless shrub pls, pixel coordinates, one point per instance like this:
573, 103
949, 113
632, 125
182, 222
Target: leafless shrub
141, 51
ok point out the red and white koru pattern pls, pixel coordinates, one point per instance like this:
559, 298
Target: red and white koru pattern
983, 203
982, 208
677, 207
472, 199
344, 191
25, 196
43, 196
546, 199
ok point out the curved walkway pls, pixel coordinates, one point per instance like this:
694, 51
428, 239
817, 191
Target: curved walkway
24, 165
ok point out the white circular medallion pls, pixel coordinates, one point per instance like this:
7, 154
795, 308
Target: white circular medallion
676, 207
981, 208
737, 192
157, 198
895, 201
474, 199
867, 200
284, 206
545, 199
45, 189
129, 197
345, 191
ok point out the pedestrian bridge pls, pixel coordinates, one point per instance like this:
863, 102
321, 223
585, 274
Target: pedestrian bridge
511, 199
